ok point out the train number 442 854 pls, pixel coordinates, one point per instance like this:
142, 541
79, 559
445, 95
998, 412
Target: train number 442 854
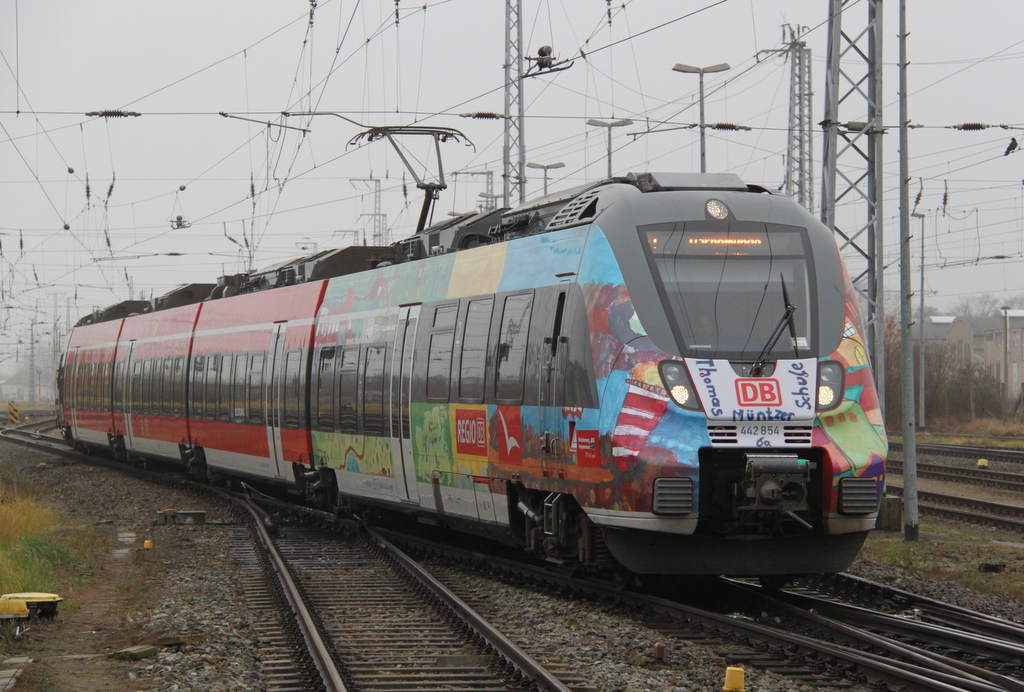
761, 430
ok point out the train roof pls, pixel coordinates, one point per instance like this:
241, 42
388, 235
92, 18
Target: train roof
559, 210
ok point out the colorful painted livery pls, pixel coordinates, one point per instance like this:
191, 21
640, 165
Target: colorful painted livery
663, 371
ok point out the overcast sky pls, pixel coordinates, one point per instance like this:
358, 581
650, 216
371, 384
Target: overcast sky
283, 191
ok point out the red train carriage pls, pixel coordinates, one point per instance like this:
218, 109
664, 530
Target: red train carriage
248, 383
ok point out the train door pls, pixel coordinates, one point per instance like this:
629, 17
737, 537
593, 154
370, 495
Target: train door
401, 395
556, 431
275, 396
132, 394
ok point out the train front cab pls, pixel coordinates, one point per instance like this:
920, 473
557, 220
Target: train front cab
725, 470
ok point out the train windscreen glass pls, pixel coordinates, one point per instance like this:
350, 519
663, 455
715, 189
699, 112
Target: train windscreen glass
726, 286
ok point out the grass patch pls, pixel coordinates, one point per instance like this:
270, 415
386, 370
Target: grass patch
956, 558
986, 432
34, 551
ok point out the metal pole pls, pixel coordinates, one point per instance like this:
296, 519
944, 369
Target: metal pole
609, 151
876, 244
911, 523
920, 335
703, 153
32, 362
1006, 352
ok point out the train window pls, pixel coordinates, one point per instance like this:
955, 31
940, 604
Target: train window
103, 387
164, 374
99, 387
146, 402
444, 317
510, 362
152, 370
256, 389
198, 391
160, 386
83, 385
93, 386
225, 398
325, 384
292, 389
439, 365
238, 381
87, 385
208, 393
348, 381
157, 383
90, 386
725, 285
373, 391
81, 372
93, 379
474, 349
119, 382
136, 387
177, 385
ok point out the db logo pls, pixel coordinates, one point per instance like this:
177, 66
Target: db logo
758, 392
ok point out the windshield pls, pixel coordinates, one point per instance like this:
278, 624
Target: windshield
723, 284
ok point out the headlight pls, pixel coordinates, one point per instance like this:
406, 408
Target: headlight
830, 385
678, 384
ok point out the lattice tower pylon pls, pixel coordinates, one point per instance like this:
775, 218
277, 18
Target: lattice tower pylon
852, 161
514, 149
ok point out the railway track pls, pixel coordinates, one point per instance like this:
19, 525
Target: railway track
966, 451
960, 648
828, 639
818, 651
335, 608
994, 514
961, 474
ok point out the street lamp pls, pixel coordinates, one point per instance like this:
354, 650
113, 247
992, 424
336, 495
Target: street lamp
720, 67
548, 166
609, 124
920, 332
490, 200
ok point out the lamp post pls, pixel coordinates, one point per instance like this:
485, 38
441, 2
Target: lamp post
690, 69
490, 200
548, 166
1006, 351
609, 124
920, 333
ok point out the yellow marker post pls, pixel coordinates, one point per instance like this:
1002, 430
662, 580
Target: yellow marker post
733, 679
12, 413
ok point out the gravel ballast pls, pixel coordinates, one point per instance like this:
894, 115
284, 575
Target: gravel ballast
186, 593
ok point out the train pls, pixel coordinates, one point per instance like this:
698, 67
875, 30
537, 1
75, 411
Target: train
661, 372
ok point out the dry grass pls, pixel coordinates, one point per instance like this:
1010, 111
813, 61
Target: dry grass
954, 553
31, 552
988, 432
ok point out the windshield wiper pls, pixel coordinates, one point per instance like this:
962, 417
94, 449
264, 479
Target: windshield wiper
787, 318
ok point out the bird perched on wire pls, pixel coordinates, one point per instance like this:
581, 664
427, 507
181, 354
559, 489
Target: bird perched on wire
1011, 147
